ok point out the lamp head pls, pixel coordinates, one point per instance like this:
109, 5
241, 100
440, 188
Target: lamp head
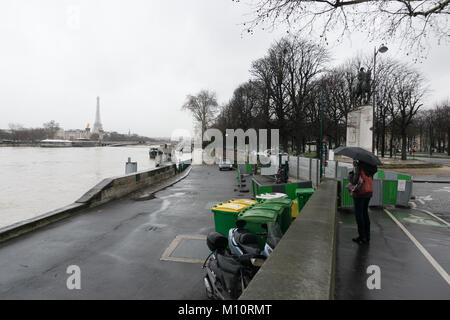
383, 49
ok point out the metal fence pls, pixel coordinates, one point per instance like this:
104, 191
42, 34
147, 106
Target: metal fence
309, 169
386, 184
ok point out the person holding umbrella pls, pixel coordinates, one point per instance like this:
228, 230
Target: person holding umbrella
361, 187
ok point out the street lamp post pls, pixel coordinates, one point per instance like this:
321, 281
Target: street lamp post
381, 49
321, 131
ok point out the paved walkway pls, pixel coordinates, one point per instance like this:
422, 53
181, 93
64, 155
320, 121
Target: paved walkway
436, 160
118, 246
407, 272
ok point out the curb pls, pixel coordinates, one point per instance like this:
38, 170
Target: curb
308, 272
23, 227
144, 196
433, 181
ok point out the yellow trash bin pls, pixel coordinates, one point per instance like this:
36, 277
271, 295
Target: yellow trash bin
247, 202
225, 216
294, 209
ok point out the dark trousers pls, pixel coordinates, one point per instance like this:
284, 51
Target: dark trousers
362, 217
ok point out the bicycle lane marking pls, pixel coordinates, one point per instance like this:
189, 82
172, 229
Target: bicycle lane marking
414, 206
434, 216
427, 255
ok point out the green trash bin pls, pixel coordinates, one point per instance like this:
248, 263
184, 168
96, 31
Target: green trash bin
255, 217
225, 216
303, 195
286, 217
279, 209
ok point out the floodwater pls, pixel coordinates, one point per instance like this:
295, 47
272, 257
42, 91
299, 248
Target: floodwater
36, 180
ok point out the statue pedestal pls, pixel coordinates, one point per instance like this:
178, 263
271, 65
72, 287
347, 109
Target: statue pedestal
359, 124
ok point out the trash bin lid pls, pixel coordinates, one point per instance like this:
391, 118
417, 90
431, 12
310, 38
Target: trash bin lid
305, 191
229, 207
247, 202
270, 206
258, 215
274, 195
281, 201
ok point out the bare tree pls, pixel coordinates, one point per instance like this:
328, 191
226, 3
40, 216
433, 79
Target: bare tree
290, 84
287, 71
306, 61
51, 128
384, 97
409, 91
410, 21
442, 124
272, 70
203, 107
437, 124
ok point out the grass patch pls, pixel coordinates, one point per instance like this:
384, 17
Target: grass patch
310, 155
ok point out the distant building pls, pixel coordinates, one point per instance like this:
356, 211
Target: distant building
87, 132
74, 134
60, 134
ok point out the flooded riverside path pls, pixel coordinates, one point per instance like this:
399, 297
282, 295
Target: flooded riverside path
37, 180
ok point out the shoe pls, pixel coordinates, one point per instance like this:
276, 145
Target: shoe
366, 241
358, 240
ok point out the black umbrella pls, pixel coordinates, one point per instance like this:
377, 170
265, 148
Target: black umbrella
360, 154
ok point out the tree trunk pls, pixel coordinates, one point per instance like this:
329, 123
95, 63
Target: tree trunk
431, 141
318, 149
391, 141
421, 139
448, 140
404, 144
383, 137
443, 142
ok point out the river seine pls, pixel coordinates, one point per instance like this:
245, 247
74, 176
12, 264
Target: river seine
36, 180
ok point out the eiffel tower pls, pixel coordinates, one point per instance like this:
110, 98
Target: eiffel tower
97, 124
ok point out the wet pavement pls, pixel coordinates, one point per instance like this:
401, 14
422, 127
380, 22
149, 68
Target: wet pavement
430, 178
434, 198
405, 271
118, 246
152, 249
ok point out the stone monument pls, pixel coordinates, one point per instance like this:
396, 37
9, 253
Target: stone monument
359, 124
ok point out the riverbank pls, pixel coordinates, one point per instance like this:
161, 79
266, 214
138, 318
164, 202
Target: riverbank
106, 191
76, 144
19, 145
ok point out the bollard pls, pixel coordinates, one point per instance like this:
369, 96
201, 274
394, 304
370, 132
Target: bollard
130, 167
310, 169
336, 168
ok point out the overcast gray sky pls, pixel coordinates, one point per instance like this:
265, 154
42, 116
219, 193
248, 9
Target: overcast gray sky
142, 58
